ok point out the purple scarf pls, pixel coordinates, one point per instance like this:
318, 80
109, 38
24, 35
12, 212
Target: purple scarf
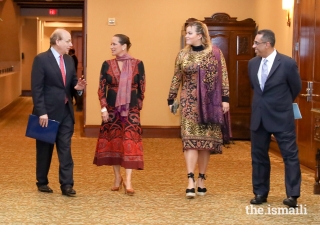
124, 90
209, 93
209, 97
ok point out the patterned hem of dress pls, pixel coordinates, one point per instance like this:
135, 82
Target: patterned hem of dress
136, 165
217, 149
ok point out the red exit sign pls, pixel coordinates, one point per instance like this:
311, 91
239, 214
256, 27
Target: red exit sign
53, 12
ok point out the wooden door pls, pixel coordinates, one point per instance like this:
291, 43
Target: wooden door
236, 48
306, 51
76, 37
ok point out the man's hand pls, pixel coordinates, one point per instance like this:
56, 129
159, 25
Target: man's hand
43, 120
81, 84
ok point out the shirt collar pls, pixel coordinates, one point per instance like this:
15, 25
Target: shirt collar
272, 56
55, 53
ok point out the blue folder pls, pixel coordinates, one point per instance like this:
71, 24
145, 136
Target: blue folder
296, 111
46, 134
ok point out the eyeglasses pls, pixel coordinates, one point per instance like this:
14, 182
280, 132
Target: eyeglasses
67, 41
258, 43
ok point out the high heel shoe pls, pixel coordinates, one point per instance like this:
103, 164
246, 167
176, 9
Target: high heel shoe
190, 192
202, 191
117, 188
129, 192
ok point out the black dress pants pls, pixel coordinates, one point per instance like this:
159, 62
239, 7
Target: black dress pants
260, 142
63, 146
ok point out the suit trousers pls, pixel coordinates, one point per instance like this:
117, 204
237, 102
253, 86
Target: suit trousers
63, 146
260, 142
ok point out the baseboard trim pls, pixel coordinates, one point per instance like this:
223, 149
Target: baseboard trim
147, 131
9, 107
26, 93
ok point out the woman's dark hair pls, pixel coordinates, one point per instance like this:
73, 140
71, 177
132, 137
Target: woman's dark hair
124, 39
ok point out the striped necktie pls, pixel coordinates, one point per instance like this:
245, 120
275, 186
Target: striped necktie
264, 73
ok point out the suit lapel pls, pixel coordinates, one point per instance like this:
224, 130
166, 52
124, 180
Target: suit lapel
275, 65
67, 65
255, 70
55, 66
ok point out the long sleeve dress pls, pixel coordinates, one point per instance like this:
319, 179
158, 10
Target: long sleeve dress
119, 141
194, 135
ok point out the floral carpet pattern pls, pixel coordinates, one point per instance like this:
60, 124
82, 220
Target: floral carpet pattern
159, 188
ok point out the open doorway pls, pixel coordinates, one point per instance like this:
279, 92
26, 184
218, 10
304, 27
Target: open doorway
35, 35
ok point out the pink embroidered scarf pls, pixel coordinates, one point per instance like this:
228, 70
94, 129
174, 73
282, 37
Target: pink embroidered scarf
124, 90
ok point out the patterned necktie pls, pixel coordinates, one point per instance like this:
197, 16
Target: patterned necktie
63, 72
264, 73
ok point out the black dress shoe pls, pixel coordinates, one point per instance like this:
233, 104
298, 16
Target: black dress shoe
45, 188
291, 201
258, 199
190, 193
202, 191
69, 191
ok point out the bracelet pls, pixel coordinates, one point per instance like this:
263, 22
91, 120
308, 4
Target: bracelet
104, 109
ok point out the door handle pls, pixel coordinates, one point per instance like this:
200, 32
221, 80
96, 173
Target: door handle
307, 95
309, 91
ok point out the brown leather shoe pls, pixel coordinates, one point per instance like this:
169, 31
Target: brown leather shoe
258, 199
69, 191
117, 188
129, 192
45, 188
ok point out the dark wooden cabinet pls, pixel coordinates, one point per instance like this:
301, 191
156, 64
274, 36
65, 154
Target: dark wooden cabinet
235, 39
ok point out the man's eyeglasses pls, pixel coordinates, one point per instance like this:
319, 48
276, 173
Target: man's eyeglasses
258, 43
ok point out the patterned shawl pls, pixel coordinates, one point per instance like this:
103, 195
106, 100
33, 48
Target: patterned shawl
124, 90
209, 96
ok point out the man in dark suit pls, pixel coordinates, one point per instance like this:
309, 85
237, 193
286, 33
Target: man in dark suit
53, 79
276, 83
77, 97
74, 57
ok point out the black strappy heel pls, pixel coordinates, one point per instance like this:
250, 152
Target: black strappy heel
202, 191
191, 193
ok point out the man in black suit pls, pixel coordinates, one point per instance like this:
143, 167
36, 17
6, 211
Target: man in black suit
53, 78
275, 83
74, 57
77, 97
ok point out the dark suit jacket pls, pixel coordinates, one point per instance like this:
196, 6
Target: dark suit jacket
48, 90
273, 105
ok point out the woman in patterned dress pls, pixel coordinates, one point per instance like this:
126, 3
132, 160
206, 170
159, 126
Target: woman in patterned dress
203, 102
121, 93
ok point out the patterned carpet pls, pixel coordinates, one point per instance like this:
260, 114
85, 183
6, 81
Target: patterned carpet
160, 188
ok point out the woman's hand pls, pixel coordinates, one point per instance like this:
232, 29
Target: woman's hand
225, 107
105, 116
